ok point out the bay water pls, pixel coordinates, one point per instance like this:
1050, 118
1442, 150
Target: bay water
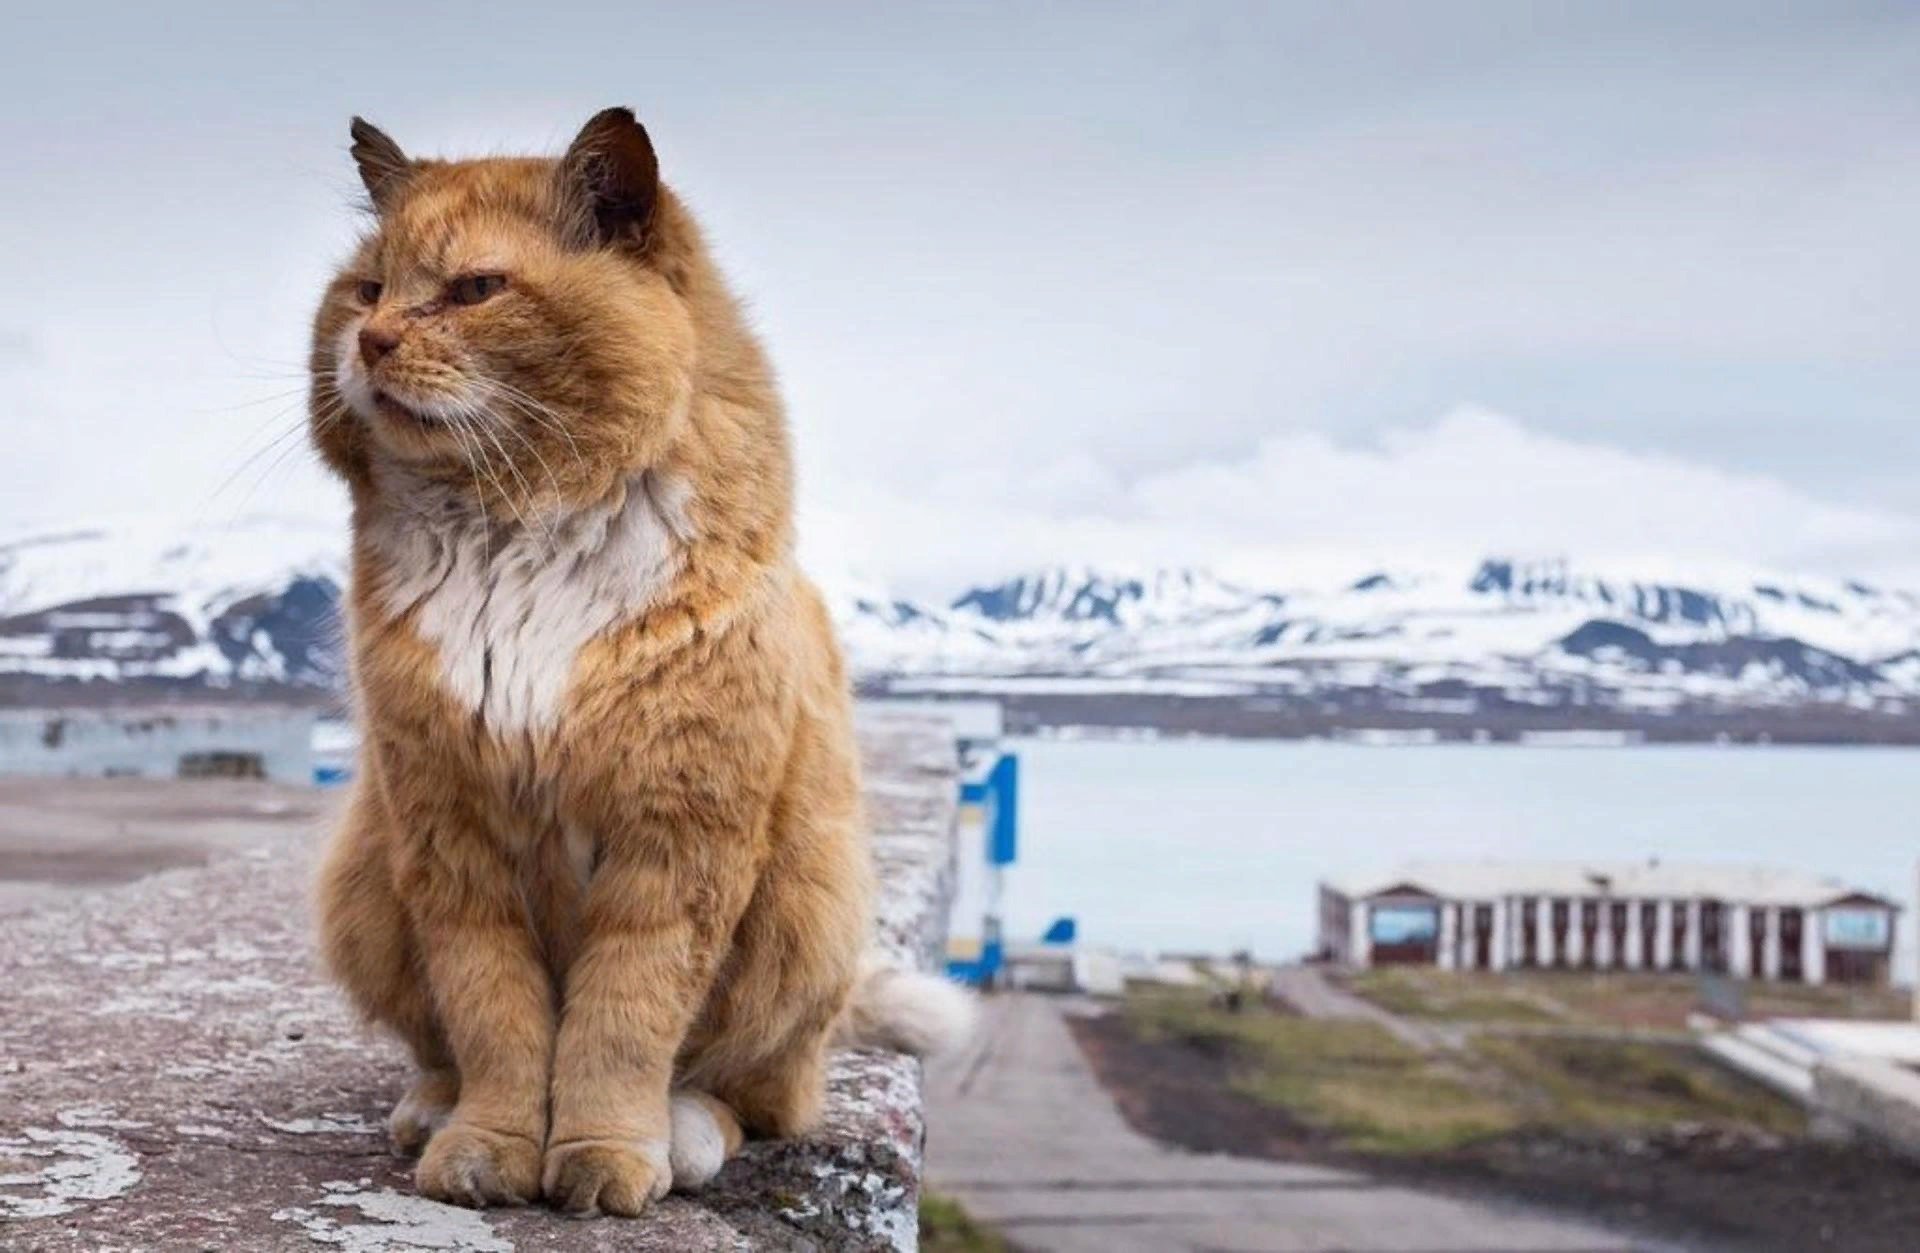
1214, 845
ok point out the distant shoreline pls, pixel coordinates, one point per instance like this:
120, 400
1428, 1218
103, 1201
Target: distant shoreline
1380, 718
1365, 716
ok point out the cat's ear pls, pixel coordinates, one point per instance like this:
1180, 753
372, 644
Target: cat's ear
611, 179
383, 167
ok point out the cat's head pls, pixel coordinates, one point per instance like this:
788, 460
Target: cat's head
519, 325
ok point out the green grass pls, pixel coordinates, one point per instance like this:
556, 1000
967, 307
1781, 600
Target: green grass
1615, 999
947, 1228
1621, 1085
1358, 1084
1351, 1079
1448, 997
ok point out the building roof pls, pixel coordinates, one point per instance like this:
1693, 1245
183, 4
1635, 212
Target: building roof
1487, 880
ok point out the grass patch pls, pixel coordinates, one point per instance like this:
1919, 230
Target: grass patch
1614, 999
1364, 1089
1351, 1080
945, 1227
1613, 1085
1448, 997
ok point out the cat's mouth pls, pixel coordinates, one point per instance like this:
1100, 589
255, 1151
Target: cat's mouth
399, 411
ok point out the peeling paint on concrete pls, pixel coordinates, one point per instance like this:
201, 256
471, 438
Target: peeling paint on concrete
46, 1173
325, 1124
396, 1221
97, 1117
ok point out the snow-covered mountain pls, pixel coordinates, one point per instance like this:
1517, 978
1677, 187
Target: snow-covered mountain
1534, 631
256, 603
147, 599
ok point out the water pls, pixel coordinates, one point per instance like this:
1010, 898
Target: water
1216, 845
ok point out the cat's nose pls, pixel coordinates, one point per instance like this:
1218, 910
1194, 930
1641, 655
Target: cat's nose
376, 342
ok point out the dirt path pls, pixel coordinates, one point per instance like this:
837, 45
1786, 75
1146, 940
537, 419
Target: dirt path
1025, 1137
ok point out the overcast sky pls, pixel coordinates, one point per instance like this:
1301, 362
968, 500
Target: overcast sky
1175, 283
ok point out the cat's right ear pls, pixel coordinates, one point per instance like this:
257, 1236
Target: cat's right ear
383, 167
611, 180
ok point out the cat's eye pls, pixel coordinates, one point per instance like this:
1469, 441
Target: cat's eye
369, 292
471, 289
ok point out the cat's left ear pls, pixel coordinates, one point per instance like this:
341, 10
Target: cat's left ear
612, 179
383, 167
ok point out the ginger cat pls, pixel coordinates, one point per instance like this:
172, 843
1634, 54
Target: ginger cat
603, 867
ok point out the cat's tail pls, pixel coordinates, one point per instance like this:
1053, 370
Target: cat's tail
907, 1011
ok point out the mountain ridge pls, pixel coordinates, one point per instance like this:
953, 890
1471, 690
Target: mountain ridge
255, 603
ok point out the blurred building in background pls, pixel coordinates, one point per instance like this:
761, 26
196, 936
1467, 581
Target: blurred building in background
1747, 921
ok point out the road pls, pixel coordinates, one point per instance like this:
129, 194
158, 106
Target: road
1022, 1134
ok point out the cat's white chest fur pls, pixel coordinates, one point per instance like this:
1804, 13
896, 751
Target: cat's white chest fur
509, 609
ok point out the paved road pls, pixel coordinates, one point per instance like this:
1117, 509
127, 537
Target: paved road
1024, 1136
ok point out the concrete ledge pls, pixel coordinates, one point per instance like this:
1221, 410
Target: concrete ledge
177, 1075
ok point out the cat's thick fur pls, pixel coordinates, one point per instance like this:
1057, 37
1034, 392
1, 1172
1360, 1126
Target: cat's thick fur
603, 867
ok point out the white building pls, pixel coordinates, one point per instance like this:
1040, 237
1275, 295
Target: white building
1747, 921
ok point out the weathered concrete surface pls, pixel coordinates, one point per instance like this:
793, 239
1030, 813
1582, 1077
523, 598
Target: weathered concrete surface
60, 839
175, 1074
1872, 1097
1031, 1144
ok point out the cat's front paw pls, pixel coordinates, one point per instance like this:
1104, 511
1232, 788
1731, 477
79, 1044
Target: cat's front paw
422, 1111
471, 1166
588, 1177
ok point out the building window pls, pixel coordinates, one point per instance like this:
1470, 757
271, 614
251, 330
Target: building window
1713, 953
1792, 922
1404, 933
1482, 937
1857, 928
1404, 924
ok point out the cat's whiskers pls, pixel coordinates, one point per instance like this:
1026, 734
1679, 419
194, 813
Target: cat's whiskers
462, 419
513, 429
481, 421
288, 446
332, 411
479, 494
541, 413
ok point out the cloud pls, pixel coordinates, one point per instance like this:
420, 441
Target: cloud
1083, 292
1472, 483
17, 347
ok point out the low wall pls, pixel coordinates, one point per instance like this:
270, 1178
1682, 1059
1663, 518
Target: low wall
176, 1074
